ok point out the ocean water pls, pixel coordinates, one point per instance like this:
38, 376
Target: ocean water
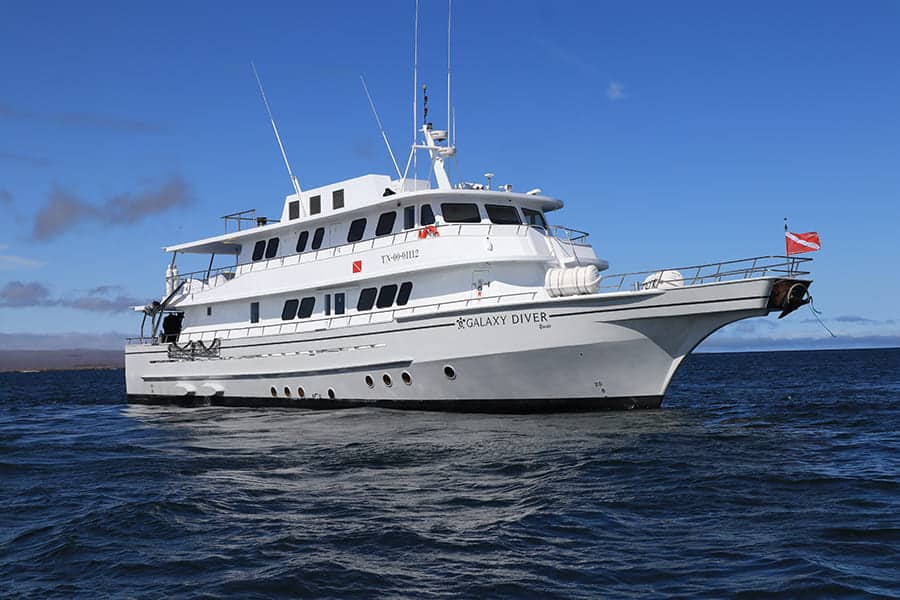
763, 474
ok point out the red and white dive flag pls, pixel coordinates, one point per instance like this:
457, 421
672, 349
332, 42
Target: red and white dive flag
801, 242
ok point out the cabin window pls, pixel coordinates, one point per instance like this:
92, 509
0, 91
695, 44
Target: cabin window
534, 217
327, 304
409, 217
405, 291
426, 216
259, 249
366, 299
315, 205
357, 230
209, 311
290, 309
318, 236
272, 248
385, 223
386, 295
302, 239
254, 312
339, 303
500, 214
294, 209
458, 212
337, 199
306, 307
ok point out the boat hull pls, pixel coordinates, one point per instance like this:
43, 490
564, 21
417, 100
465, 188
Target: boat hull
602, 351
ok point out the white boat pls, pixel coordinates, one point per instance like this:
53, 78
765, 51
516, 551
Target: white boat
396, 292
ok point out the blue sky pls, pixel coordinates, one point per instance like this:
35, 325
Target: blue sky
677, 133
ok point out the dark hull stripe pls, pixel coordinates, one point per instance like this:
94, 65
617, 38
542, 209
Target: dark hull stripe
508, 406
397, 364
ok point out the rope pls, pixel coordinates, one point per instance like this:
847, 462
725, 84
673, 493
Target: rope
816, 314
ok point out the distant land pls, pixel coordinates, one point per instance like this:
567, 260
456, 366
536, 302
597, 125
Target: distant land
47, 360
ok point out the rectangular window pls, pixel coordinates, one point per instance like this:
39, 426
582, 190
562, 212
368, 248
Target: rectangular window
337, 199
318, 236
426, 216
306, 307
290, 309
259, 249
457, 212
386, 295
272, 248
294, 209
405, 291
339, 303
315, 205
357, 230
254, 312
327, 304
301, 241
366, 299
409, 217
385, 223
209, 311
534, 217
503, 214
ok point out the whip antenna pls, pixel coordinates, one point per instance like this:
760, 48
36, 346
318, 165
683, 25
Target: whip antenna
380, 126
262, 92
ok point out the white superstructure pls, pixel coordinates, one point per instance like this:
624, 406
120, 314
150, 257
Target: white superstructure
388, 291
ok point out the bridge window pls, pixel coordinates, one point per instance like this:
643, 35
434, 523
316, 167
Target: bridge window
315, 205
458, 212
301, 241
254, 312
318, 236
337, 199
426, 216
306, 307
272, 248
294, 209
290, 309
386, 295
385, 223
405, 291
534, 217
366, 299
259, 249
357, 230
409, 217
503, 214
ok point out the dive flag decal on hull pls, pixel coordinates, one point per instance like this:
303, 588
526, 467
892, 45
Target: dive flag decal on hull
357, 266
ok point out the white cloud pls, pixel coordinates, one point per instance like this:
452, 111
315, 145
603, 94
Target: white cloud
9, 262
616, 90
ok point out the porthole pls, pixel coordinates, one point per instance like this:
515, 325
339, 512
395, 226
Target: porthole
369, 381
287, 392
301, 392
387, 380
450, 372
273, 391
331, 393
406, 378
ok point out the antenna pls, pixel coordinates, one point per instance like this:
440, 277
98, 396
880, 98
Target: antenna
277, 137
449, 21
380, 127
415, 92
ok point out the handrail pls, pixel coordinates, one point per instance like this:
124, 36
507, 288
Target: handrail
574, 236
742, 268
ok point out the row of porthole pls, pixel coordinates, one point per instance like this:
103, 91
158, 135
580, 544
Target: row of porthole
301, 393
449, 373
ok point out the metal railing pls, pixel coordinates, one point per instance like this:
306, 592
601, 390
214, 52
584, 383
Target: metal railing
728, 270
566, 234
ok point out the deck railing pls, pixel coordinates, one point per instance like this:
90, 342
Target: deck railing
743, 268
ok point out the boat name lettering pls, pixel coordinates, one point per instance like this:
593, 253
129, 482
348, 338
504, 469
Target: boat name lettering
524, 318
398, 256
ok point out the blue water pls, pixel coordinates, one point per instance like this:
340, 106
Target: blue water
764, 474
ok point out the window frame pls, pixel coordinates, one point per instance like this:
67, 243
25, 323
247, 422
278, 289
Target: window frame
409, 217
315, 204
337, 199
386, 295
306, 308
294, 209
426, 220
272, 247
404, 293
254, 312
383, 218
502, 208
471, 218
302, 237
540, 215
365, 293
293, 304
318, 238
350, 233
259, 250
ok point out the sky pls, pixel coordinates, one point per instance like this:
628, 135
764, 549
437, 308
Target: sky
676, 133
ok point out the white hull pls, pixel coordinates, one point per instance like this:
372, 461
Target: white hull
598, 351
